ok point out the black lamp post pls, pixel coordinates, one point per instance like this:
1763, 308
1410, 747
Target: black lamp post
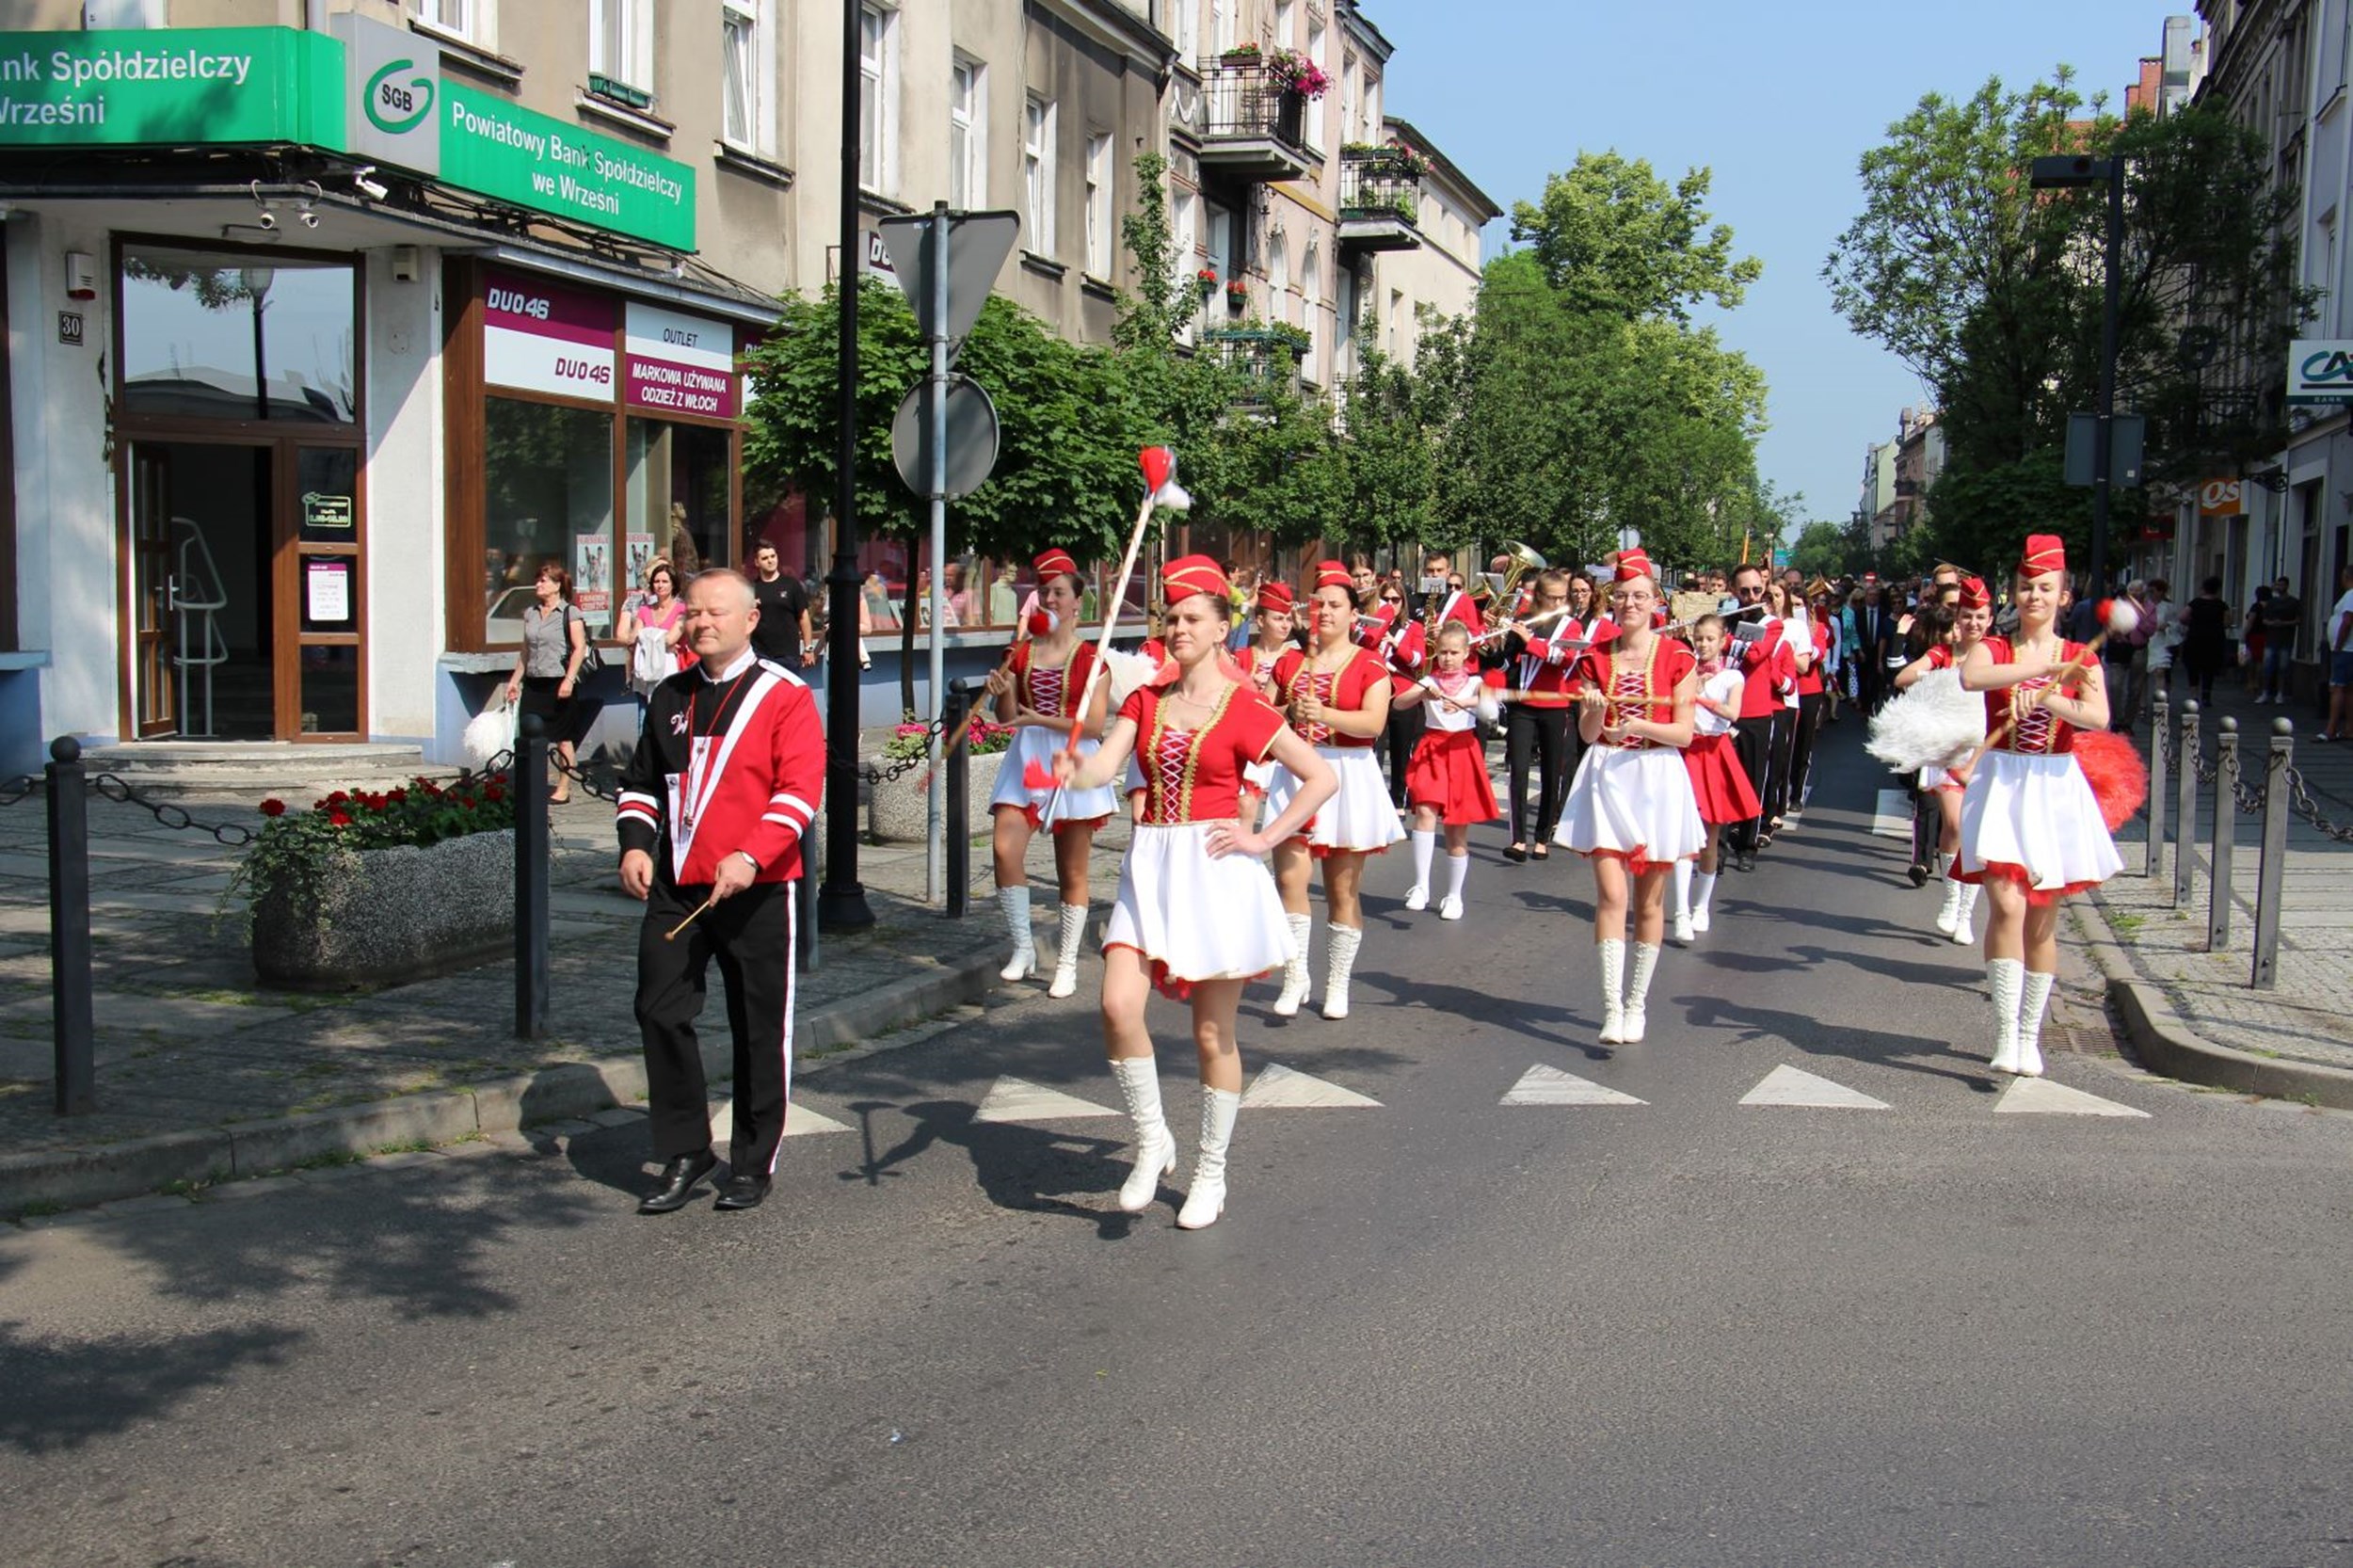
2060, 173
841, 901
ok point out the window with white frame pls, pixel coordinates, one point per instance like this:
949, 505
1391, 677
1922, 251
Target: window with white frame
620, 42
1315, 105
1348, 97
1278, 278
1189, 30
1285, 12
747, 81
1372, 110
1224, 20
1223, 252
467, 19
968, 135
1037, 173
878, 98
1098, 262
1311, 310
1185, 261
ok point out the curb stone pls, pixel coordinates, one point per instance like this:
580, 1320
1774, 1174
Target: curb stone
2164, 1041
567, 1092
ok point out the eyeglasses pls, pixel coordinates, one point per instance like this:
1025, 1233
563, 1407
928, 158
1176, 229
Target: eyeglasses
1749, 593
1391, 598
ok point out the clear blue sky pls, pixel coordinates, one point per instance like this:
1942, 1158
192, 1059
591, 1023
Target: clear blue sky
1778, 101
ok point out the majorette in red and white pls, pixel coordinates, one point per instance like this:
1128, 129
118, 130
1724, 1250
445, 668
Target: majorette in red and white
1944, 784
2031, 829
1336, 696
1197, 914
1274, 614
1719, 785
1630, 809
1035, 690
1445, 783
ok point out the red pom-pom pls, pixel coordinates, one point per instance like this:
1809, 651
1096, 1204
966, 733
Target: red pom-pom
2118, 777
1041, 623
1037, 776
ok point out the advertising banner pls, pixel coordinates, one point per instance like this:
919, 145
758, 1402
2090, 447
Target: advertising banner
543, 336
2320, 370
552, 166
131, 87
679, 364
2221, 498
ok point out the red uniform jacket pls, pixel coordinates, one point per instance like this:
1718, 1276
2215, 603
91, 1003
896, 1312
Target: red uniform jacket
1770, 670
723, 766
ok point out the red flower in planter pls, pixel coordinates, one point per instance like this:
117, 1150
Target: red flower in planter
273, 808
337, 798
338, 819
493, 793
397, 796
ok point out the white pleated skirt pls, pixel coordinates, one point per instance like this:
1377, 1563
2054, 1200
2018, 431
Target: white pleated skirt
1194, 917
1036, 743
1358, 819
1633, 804
2035, 820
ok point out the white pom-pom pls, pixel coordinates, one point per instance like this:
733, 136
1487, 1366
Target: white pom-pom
2124, 616
1932, 723
1128, 671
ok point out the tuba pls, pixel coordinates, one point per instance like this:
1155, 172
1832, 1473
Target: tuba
1525, 562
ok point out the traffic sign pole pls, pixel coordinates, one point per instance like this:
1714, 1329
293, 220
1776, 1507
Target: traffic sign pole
936, 486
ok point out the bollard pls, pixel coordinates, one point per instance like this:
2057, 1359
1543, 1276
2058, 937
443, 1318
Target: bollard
2225, 836
531, 879
2186, 818
959, 802
2154, 865
806, 922
2273, 866
74, 1025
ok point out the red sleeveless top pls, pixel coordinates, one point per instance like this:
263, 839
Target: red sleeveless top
1345, 689
2040, 733
1052, 692
1642, 691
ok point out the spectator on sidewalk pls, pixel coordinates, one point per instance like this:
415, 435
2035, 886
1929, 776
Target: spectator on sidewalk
723, 785
783, 634
2164, 639
2250, 640
2205, 637
2340, 659
2283, 615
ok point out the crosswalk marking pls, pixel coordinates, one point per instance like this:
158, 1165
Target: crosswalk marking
1017, 1099
2040, 1096
1281, 1088
1787, 1085
799, 1122
1542, 1085
1893, 818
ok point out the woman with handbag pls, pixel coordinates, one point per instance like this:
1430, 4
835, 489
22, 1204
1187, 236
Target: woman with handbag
545, 681
653, 627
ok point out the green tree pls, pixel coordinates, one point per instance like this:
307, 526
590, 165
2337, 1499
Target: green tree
1613, 237
1821, 551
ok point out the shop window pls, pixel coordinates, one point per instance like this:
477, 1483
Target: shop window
210, 335
675, 500
548, 498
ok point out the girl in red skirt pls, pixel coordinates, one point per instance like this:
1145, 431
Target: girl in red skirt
1447, 780
1718, 783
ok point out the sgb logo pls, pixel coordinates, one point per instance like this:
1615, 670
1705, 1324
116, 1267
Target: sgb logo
397, 106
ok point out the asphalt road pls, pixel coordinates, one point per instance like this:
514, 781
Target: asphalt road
1437, 1329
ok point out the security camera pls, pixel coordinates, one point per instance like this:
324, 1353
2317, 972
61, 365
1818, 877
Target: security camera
373, 189
267, 220
310, 218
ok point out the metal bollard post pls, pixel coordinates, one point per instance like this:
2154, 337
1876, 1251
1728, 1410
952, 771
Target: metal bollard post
2225, 836
2186, 819
812, 871
73, 1019
531, 879
959, 802
2272, 869
2154, 865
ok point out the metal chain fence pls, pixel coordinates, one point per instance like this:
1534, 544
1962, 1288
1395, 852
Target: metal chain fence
888, 769
2300, 802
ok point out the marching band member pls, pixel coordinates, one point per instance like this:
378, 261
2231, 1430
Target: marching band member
1336, 696
1780, 792
1274, 639
1402, 641
1536, 672
1945, 785
1631, 810
1720, 786
1447, 781
1196, 915
1768, 664
1035, 689
2031, 831
1813, 685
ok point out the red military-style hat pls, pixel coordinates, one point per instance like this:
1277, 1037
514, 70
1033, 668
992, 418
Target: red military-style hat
1633, 564
1975, 595
1053, 564
2044, 553
1189, 575
1275, 595
1333, 574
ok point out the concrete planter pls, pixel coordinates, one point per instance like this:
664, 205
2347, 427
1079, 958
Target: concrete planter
397, 915
895, 812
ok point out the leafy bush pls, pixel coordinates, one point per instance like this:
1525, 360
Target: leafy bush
295, 846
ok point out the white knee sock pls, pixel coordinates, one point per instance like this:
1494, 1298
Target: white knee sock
1683, 889
1702, 890
1457, 868
1424, 844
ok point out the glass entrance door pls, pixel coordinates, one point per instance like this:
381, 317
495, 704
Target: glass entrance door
204, 533
155, 674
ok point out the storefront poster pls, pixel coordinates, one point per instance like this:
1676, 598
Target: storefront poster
640, 547
592, 578
679, 364
542, 336
326, 592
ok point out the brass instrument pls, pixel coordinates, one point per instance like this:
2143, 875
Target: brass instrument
1496, 634
1525, 562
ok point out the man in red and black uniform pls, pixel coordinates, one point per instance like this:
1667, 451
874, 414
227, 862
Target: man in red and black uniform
1536, 662
714, 803
1769, 667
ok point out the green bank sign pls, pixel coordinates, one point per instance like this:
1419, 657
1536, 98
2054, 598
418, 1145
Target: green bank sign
216, 86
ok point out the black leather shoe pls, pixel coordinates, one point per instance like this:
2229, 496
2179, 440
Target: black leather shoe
1919, 875
741, 1191
680, 1178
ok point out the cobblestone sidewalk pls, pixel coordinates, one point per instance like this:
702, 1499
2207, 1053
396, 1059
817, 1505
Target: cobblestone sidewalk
2308, 1016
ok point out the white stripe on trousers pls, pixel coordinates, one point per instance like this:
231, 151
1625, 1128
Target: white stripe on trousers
791, 999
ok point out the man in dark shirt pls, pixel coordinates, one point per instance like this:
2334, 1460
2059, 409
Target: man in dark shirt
2283, 616
782, 636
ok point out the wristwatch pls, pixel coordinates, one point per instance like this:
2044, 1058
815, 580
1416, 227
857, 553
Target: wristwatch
751, 859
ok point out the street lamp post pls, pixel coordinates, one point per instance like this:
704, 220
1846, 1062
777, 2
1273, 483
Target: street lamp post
257, 280
2061, 172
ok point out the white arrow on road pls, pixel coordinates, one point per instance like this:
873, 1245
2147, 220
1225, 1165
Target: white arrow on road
1017, 1099
1787, 1085
1280, 1088
1542, 1085
2040, 1096
799, 1122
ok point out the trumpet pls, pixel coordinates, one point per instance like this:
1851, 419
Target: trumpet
1727, 616
1494, 636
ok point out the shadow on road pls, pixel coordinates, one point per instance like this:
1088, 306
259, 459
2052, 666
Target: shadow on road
1810, 1034
1026, 1169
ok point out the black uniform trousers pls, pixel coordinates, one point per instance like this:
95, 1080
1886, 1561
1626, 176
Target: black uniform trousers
1400, 737
752, 936
1541, 733
1809, 726
1752, 743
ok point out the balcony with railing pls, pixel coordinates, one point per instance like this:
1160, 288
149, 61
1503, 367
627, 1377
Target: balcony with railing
1380, 199
1253, 123
1268, 355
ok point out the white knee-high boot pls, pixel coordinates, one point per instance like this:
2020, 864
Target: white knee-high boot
1638, 992
1295, 970
1968, 908
1950, 913
1205, 1198
2032, 996
1014, 903
1156, 1146
2006, 978
1074, 933
1340, 962
1703, 895
1611, 950
1683, 929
